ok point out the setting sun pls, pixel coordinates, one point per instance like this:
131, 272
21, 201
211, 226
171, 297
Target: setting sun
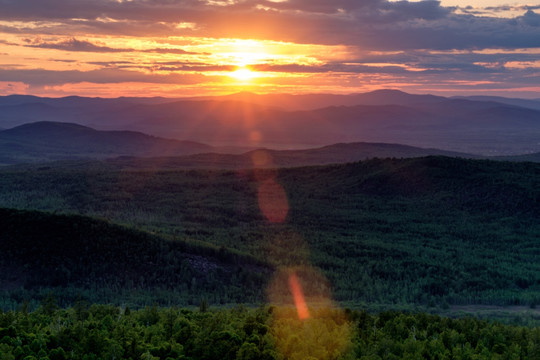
243, 74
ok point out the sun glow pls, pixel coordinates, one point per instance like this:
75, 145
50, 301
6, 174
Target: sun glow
244, 74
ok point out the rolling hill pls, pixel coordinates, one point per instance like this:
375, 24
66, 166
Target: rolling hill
52, 141
46, 141
268, 158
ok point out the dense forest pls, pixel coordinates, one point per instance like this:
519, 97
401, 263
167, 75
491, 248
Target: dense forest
432, 231
75, 256
95, 331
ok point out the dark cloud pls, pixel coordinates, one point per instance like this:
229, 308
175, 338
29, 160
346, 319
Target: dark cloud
375, 24
194, 67
406, 11
171, 51
396, 68
426, 42
531, 18
330, 68
86, 46
71, 45
112, 63
64, 60
320, 6
41, 77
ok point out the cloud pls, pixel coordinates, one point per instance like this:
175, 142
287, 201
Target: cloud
375, 24
73, 44
531, 18
336, 67
171, 51
42, 77
415, 42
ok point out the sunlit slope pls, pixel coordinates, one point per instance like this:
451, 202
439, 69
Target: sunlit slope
427, 230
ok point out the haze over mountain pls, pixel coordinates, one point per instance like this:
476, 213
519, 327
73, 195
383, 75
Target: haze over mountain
49, 141
527, 103
45, 141
301, 121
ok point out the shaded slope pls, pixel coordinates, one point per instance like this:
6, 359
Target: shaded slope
106, 262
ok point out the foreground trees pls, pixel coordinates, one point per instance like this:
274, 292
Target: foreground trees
107, 332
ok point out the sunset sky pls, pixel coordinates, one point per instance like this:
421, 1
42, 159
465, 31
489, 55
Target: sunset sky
179, 48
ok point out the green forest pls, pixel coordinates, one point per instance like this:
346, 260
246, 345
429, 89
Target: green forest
432, 231
100, 262
95, 331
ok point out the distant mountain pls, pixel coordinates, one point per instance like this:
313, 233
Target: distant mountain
317, 101
266, 158
262, 158
79, 101
484, 126
462, 126
45, 141
526, 103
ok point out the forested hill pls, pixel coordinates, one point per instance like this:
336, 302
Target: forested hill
432, 230
47, 141
83, 257
481, 186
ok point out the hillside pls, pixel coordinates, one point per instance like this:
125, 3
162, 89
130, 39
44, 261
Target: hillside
46, 141
79, 256
382, 231
534, 157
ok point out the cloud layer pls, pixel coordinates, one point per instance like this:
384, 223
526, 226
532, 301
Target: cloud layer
403, 42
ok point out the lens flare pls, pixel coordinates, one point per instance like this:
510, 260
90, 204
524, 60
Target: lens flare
273, 201
271, 195
298, 296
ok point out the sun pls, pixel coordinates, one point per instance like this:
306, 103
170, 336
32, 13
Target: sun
243, 74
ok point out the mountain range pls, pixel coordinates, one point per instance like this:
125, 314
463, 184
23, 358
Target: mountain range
50, 141
69, 143
477, 125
